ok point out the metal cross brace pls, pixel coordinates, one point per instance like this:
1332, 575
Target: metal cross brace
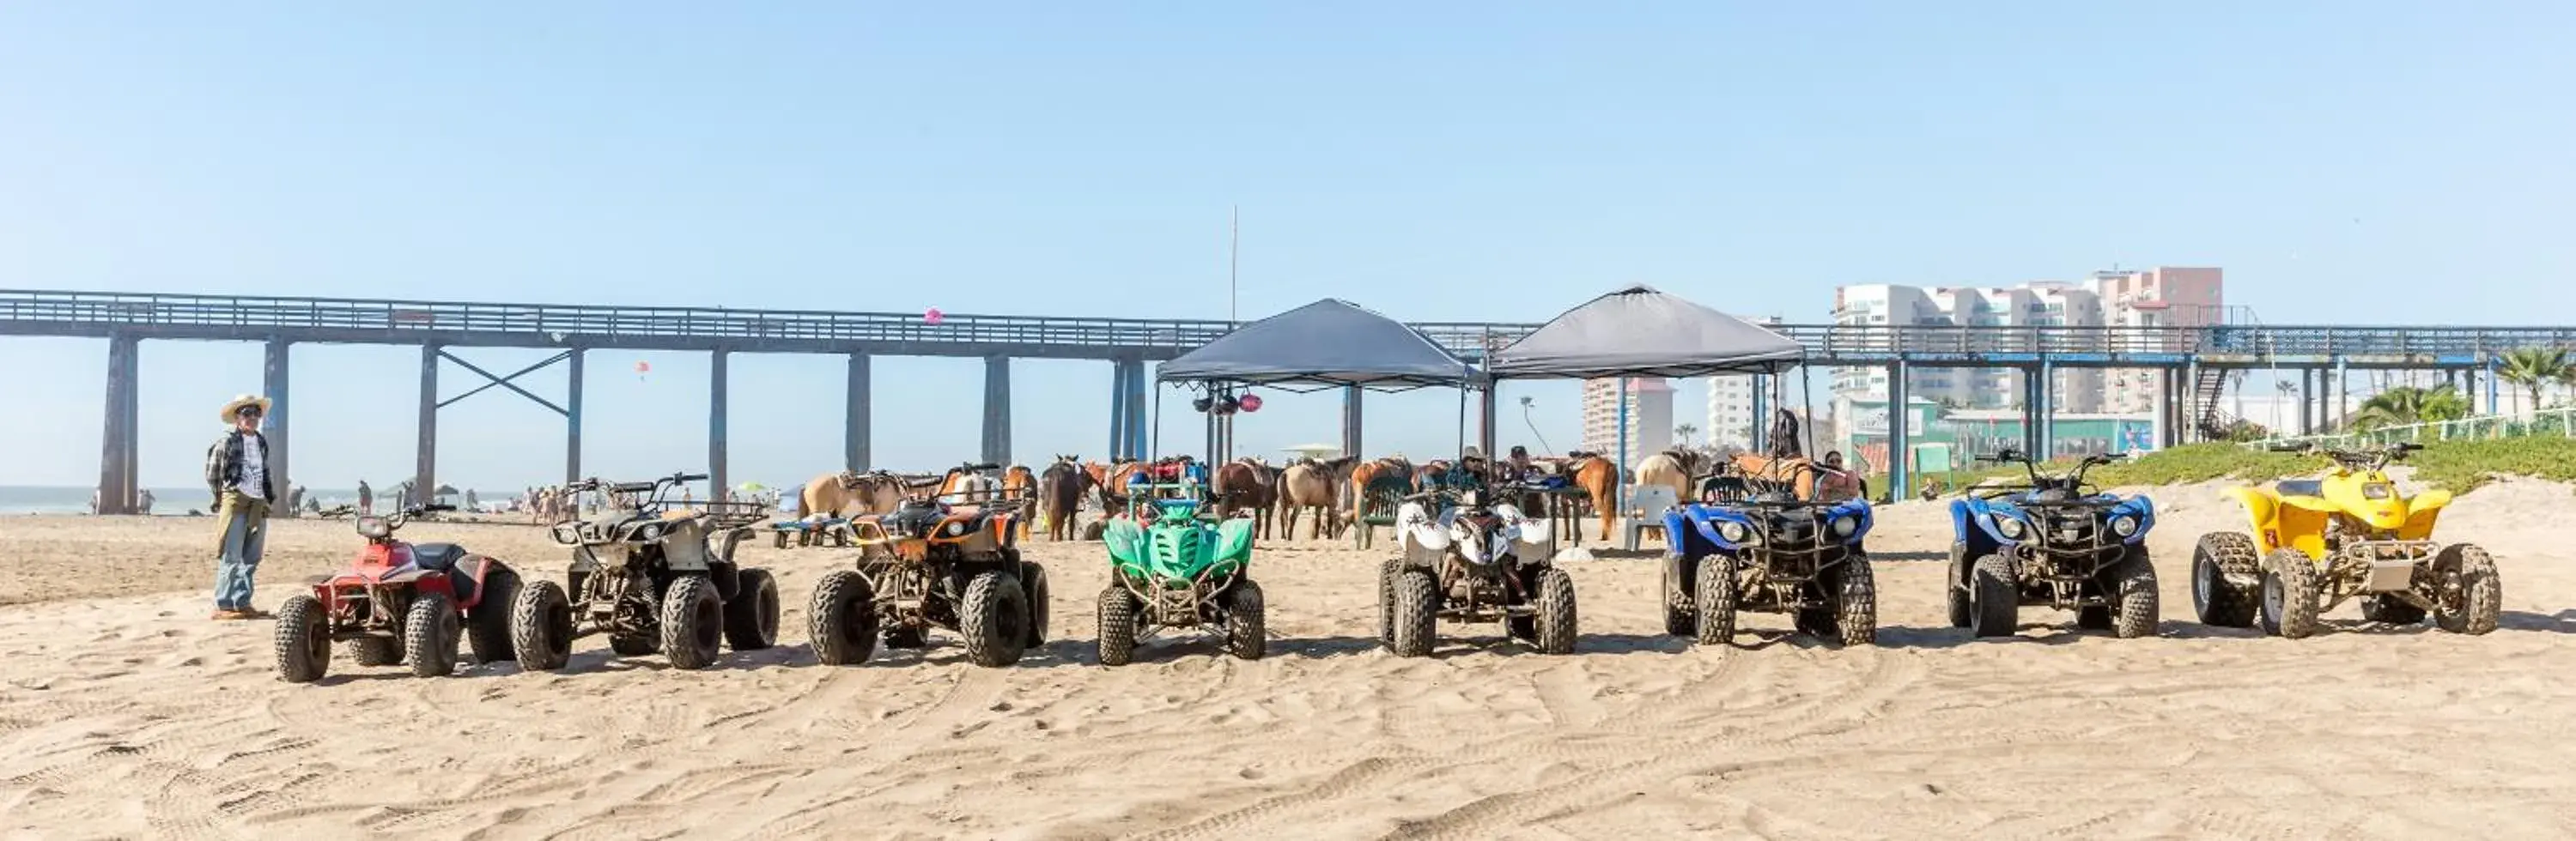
504, 382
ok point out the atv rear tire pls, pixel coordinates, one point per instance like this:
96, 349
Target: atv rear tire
1555, 612
1033, 581
2481, 599
1680, 619
541, 627
1117, 626
1386, 572
1994, 597
430, 633
1961, 605
2289, 594
751, 619
841, 619
1714, 595
487, 624
994, 620
1855, 609
693, 620
1417, 612
303, 640
1244, 626
376, 651
2384, 607
2129, 587
2217, 602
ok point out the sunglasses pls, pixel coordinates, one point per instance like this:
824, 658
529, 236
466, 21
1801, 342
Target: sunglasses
248, 413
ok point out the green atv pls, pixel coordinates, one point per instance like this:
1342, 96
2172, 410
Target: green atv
1174, 564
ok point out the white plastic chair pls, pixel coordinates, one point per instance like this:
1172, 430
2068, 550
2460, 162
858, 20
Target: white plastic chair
1653, 500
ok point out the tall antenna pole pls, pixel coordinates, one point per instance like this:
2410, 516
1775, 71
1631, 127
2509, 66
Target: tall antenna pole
1233, 257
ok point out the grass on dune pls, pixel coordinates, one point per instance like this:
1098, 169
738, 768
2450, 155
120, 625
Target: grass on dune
2458, 466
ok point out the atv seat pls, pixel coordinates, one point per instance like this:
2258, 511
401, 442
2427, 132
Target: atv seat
2300, 487
440, 557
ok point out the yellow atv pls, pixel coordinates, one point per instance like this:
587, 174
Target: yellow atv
2319, 542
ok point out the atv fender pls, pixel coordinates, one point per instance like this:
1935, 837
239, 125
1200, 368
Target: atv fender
1234, 540
2260, 508
1126, 541
684, 547
2421, 512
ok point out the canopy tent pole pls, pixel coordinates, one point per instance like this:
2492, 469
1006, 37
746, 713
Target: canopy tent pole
1157, 445
1618, 481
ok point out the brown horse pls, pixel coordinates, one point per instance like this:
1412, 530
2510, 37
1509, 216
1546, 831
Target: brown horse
1598, 477
1060, 491
1314, 486
1367, 471
1246, 484
1806, 478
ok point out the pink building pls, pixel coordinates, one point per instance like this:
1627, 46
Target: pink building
2167, 296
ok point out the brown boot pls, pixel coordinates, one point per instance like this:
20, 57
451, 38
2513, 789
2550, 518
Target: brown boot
228, 615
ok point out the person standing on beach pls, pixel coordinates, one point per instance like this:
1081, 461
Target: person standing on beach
366, 498
237, 474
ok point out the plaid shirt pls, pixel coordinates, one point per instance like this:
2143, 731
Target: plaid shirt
223, 466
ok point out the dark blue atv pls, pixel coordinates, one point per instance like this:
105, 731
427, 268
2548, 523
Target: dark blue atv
1768, 551
2052, 544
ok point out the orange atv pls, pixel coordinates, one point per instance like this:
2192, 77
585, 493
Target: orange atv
948, 561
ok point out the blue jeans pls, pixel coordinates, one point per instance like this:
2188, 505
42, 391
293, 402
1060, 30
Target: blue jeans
244, 521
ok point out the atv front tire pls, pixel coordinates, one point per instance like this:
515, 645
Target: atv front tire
2289, 594
1244, 627
2219, 557
303, 640
1416, 606
1033, 580
1855, 609
1680, 619
1994, 596
693, 619
541, 627
430, 634
751, 619
487, 625
1555, 612
841, 619
1386, 572
2130, 588
1715, 597
1961, 607
1117, 626
994, 619
2481, 594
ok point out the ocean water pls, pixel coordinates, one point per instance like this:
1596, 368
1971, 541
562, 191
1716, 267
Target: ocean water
25, 499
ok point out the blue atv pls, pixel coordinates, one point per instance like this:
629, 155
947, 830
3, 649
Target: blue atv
1766, 550
2056, 545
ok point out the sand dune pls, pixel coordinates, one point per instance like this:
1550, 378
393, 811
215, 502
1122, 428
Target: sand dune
125, 712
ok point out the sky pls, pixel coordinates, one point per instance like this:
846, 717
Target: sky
2344, 162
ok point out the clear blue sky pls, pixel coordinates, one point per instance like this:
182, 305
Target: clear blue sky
2344, 161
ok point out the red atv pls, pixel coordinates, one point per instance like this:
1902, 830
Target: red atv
399, 601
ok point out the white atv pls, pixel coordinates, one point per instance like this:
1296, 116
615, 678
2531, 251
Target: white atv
1472, 562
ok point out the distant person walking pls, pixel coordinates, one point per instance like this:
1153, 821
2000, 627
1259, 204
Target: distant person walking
366, 498
143, 500
237, 474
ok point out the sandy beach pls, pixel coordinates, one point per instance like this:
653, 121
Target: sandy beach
125, 712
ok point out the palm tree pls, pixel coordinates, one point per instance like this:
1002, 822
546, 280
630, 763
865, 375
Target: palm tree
2403, 405
1684, 432
2534, 368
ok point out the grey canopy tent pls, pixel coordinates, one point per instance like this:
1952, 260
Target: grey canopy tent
1325, 344
1330, 343
1639, 332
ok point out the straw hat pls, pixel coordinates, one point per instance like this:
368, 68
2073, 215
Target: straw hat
232, 410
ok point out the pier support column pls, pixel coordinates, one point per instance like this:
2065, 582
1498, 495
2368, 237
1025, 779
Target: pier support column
716, 487
2047, 395
1138, 387
424, 476
1351, 398
997, 409
2192, 411
856, 421
1117, 411
116, 491
2307, 402
572, 416
274, 387
2168, 414
1900, 474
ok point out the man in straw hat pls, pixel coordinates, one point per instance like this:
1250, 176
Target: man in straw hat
237, 473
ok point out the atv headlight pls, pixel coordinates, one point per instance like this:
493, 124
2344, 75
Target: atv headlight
566, 533
955, 529
2124, 525
649, 533
2010, 527
1845, 524
1733, 531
